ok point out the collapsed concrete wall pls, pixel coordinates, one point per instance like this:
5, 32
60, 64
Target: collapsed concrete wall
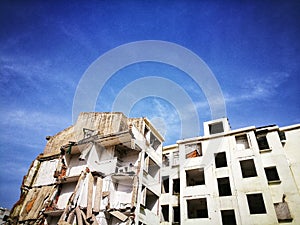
94, 172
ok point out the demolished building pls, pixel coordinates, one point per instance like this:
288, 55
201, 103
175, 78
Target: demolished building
102, 170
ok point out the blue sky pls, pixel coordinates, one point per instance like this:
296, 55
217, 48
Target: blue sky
252, 47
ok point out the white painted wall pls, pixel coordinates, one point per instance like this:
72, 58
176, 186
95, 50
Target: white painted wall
45, 174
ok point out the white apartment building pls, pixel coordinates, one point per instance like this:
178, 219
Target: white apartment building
245, 176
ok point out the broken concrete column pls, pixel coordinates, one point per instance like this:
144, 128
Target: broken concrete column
89, 210
98, 194
78, 216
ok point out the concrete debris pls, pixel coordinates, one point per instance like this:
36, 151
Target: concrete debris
93, 173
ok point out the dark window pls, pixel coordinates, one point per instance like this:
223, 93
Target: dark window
248, 168
224, 186
165, 185
220, 159
153, 168
281, 135
262, 140
176, 213
146, 130
228, 217
271, 173
176, 186
151, 200
195, 177
165, 213
197, 208
216, 128
256, 204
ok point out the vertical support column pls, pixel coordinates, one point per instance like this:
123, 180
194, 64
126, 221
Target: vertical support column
90, 196
98, 195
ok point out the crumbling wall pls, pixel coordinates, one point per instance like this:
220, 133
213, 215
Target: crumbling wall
89, 174
55, 142
102, 123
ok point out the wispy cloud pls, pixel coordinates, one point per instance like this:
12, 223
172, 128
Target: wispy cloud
29, 126
33, 120
258, 88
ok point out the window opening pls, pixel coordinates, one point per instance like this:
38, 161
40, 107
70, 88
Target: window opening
176, 186
165, 185
224, 186
195, 177
216, 128
176, 215
262, 140
154, 142
197, 208
220, 159
248, 168
228, 217
282, 211
256, 204
175, 158
272, 174
192, 151
165, 213
242, 142
153, 169
166, 160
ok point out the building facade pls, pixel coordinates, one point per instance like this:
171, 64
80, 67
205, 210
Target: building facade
109, 169
244, 176
103, 170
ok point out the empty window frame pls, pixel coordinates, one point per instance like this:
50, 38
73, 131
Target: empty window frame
256, 204
228, 217
165, 213
176, 215
262, 141
154, 142
224, 186
216, 128
220, 159
153, 169
242, 142
176, 186
193, 150
143, 195
282, 136
146, 130
197, 208
283, 212
166, 160
248, 168
165, 185
151, 201
146, 162
175, 158
272, 174
195, 177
